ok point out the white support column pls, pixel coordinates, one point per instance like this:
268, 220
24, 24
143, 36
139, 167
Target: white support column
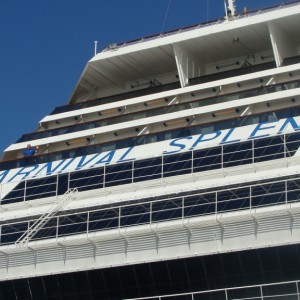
187, 65
231, 6
283, 47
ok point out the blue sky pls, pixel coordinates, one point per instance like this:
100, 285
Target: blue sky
45, 44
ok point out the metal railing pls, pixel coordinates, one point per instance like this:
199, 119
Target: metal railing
197, 26
246, 197
161, 110
248, 152
273, 291
43, 219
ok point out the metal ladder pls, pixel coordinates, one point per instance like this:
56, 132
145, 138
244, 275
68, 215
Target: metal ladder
43, 219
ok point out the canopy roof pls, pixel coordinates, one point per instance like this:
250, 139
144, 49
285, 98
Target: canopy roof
206, 43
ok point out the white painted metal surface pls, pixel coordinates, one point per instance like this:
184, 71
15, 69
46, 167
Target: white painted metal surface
167, 240
172, 93
162, 118
213, 43
187, 54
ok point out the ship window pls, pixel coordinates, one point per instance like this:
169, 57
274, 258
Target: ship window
49, 230
160, 277
118, 174
67, 286
179, 279
177, 164
21, 289
72, 224
87, 179
237, 154
233, 199
292, 143
232, 269
51, 285
37, 288
249, 292
55, 156
107, 147
287, 113
147, 169
199, 204
288, 289
136, 214
291, 60
63, 183
268, 149
10, 233
81, 283
41, 188
8, 290
268, 194
208, 128
214, 295
105, 219
207, 159
271, 117
16, 195
166, 210
269, 262
293, 190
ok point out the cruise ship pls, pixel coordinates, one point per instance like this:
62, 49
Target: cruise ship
173, 172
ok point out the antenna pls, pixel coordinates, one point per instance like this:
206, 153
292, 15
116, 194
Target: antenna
96, 43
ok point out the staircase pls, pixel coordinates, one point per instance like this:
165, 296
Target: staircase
43, 219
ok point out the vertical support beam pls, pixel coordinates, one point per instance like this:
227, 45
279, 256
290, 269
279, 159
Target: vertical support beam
132, 172
56, 187
150, 214
69, 178
57, 228
25, 189
231, 6
282, 46
187, 65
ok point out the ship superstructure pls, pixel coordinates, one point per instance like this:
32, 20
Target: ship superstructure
172, 173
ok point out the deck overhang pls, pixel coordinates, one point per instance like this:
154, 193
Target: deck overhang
142, 61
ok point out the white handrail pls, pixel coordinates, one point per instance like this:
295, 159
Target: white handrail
43, 219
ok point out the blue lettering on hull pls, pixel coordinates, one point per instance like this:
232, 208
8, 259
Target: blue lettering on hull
188, 143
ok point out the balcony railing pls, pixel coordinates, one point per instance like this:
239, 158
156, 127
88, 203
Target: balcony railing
191, 162
160, 111
273, 291
271, 116
150, 211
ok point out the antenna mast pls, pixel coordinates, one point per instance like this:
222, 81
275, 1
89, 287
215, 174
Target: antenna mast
96, 44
